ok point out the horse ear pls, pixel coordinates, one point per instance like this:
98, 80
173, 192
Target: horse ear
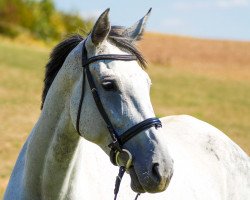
135, 32
101, 28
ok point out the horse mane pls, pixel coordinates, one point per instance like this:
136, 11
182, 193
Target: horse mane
62, 50
56, 60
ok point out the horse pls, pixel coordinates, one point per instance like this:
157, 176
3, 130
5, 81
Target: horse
66, 155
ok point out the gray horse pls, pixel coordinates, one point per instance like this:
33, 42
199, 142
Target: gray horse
56, 163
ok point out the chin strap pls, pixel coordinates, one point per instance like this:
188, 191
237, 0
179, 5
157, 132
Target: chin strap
118, 182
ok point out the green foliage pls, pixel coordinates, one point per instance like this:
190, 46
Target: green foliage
40, 18
8, 29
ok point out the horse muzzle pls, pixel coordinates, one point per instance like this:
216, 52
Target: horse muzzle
155, 178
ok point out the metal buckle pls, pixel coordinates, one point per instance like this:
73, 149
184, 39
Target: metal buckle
123, 158
158, 125
115, 146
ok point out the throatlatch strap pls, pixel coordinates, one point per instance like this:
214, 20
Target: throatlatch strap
84, 59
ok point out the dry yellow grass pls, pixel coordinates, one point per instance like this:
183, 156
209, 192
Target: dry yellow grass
223, 59
21, 72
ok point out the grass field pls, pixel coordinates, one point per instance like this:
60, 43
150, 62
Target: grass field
207, 79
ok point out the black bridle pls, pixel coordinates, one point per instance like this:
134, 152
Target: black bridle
116, 147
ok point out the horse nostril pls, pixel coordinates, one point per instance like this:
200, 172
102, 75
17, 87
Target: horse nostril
155, 171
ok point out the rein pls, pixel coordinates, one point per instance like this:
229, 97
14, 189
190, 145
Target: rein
116, 147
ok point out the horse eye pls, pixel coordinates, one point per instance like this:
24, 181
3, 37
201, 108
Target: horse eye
109, 86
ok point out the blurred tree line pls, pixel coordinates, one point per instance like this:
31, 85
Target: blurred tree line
40, 19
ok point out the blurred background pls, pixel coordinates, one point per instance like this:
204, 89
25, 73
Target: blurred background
198, 55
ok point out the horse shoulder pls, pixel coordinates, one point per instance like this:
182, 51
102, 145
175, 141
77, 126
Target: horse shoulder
205, 158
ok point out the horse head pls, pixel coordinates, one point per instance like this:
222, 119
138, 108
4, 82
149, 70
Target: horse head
123, 89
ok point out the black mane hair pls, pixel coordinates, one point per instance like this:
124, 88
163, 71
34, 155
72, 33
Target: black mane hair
62, 50
56, 60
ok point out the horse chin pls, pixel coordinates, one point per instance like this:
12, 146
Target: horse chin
135, 183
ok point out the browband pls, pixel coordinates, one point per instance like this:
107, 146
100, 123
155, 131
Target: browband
109, 57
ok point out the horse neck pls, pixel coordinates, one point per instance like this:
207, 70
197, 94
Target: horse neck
53, 144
